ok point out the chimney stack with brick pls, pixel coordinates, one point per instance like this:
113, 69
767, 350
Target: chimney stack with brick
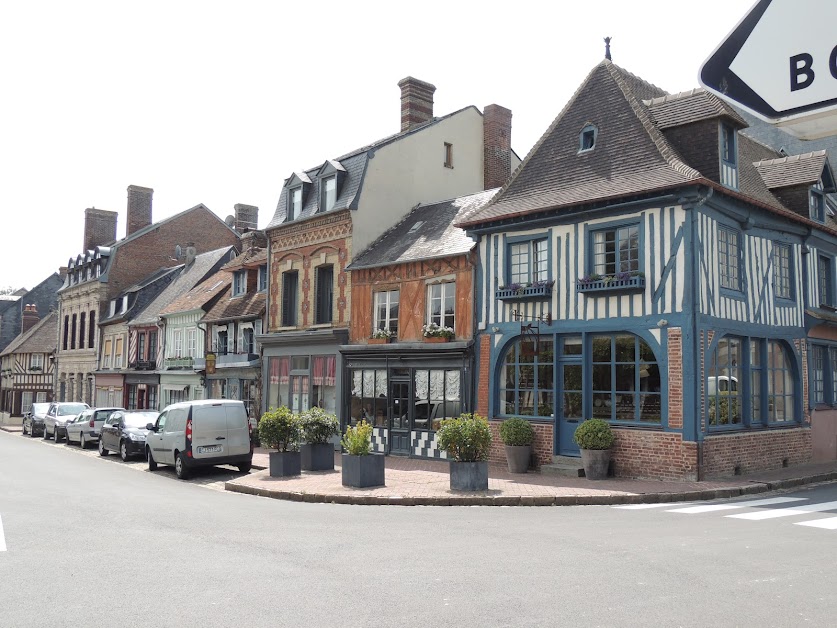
416, 102
253, 241
29, 318
99, 227
246, 217
139, 208
496, 134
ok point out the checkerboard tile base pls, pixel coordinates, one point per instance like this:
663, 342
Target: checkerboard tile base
380, 435
424, 445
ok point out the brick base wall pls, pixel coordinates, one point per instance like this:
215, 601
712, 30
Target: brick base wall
654, 455
542, 447
755, 451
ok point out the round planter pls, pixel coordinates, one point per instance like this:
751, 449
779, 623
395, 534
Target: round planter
518, 457
596, 463
468, 476
317, 457
284, 464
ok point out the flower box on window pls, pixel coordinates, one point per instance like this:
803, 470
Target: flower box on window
525, 292
620, 282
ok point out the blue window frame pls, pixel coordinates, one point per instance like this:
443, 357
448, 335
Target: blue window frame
615, 250
750, 382
526, 378
729, 258
818, 371
528, 260
816, 199
825, 281
783, 279
626, 381
728, 152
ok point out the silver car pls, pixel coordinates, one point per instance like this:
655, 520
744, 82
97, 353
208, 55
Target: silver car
58, 415
87, 426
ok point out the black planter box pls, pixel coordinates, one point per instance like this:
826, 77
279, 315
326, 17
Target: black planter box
468, 476
317, 457
363, 471
284, 464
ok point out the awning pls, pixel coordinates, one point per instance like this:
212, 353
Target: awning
177, 387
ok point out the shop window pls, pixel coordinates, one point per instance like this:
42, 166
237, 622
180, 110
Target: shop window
25, 401
324, 382
288, 383
729, 258
386, 311
369, 398
132, 397
526, 378
441, 304
626, 380
437, 396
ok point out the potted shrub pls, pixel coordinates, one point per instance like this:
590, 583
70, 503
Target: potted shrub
517, 435
595, 438
361, 468
279, 429
317, 427
467, 441
380, 337
436, 333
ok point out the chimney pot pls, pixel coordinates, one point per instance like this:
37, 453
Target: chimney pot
139, 208
416, 102
496, 128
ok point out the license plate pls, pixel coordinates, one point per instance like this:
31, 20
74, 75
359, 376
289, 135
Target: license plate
209, 449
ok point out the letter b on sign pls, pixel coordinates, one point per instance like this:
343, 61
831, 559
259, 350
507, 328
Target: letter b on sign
801, 73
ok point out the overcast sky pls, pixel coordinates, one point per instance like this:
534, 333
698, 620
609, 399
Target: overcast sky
218, 102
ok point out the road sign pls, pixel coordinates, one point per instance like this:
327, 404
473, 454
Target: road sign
780, 62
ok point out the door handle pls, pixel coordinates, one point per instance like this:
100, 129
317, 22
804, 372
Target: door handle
221, 438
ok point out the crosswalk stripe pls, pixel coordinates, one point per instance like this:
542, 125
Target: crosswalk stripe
644, 506
828, 524
694, 510
785, 512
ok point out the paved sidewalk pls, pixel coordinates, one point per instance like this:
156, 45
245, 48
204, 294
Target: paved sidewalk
411, 482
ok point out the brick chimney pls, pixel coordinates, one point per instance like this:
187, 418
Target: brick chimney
253, 241
139, 208
496, 138
416, 102
246, 217
99, 227
29, 318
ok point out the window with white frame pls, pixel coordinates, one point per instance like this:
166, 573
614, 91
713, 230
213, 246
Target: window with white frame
729, 258
25, 401
106, 356
782, 278
262, 277
386, 311
239, 282
191, 342
294, 203
329, 193
441, 303
177, 343
36, 362
528, 261
616, 250
117, 354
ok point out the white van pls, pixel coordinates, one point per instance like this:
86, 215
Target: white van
722, 384
200, 433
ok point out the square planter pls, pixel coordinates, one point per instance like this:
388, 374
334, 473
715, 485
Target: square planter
378, 341
317, 457
436, 339
363, 471
632, 284
469, 476
525, 293
284, 464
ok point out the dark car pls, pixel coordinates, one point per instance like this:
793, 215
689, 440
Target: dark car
125, 432
33, 419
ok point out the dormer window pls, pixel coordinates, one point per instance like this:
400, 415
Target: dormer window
239, 282
729, 157
328, 188
587, 139
294, 203
262, 277
816, 198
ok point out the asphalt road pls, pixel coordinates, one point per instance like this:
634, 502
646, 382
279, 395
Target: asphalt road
94, 542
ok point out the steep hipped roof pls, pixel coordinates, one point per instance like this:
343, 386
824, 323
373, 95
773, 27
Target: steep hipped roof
201, 295
631, 155
250, 305
191, 275
688, 107
41, 338
427, 232
803, 169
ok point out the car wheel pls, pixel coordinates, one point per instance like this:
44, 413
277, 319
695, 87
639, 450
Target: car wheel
245, 467
55, 435
31, 432
123, 451
152, 464
81, 442
45, 434
102, 450
24, 428
180, 469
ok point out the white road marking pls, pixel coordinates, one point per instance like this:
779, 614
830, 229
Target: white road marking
2, 537
694, 510
828, 524
785, 512
644, 506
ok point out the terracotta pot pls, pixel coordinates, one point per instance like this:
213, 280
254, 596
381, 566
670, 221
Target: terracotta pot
378, 341
436, 339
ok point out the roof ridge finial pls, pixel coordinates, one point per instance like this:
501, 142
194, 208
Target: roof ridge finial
607, 48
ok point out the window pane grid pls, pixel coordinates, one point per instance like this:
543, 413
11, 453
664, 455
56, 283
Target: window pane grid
386, 311
728, 259
781, 271
616, 250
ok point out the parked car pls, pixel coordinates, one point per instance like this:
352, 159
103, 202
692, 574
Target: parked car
200, 433
125, 431
87, 426
33, 419
56, 418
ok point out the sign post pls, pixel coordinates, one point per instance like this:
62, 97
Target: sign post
780, 63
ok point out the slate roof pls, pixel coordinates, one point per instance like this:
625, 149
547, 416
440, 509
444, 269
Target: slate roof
41, 338
803, 169
204, 265
354, 163
691, 106
250, 305
142, 294
202, 294
436, 234
631, 156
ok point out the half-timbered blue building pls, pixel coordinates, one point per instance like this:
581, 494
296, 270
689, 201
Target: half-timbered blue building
650, 265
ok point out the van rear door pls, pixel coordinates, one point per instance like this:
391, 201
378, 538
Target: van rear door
238, 433
209, 431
